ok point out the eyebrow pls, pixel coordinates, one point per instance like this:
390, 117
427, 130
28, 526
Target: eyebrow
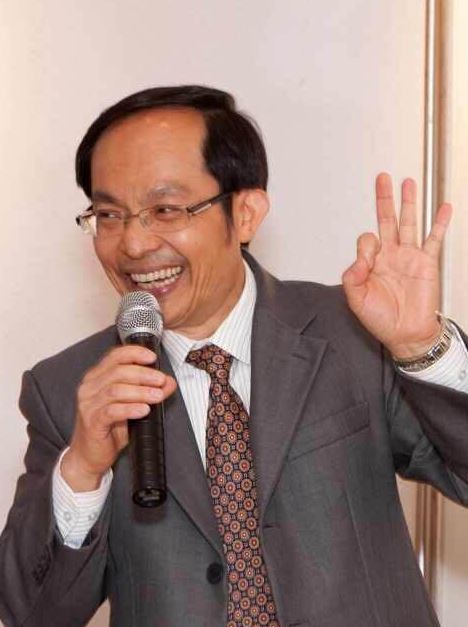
102, 196
153, 195
165, 189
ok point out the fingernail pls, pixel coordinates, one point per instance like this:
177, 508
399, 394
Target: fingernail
156, 393
159, 378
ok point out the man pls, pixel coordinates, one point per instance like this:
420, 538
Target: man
288, 410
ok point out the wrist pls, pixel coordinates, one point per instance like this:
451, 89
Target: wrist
77, 476
414, 350
439, 347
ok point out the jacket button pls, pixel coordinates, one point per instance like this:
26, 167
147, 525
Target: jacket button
214, 572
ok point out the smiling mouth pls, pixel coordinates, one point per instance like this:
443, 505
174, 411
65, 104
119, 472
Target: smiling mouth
158, 278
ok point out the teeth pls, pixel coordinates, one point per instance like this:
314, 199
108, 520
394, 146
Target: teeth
160, 283
157, 275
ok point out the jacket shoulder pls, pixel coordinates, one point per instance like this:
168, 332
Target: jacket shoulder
76, 359
321, 295
332, 317
59, 376
48, 391
326, 302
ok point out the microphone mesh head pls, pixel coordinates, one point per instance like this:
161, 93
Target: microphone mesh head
139, 312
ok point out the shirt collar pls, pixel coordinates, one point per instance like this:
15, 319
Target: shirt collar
233, 334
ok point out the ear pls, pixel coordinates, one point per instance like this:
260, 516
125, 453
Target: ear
249, 207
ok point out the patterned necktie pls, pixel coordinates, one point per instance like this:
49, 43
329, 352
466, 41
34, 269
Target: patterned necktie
231, 477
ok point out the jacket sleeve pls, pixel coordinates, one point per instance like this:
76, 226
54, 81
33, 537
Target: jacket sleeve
429, 433
43, 582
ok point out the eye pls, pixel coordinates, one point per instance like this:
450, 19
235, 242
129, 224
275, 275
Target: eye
108, 215
167, 212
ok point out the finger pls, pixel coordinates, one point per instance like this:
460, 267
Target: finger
408, 229
111, 413
133, 374
98, 380
434, 240
114, 412
122, 393
386, 217
144, 394
119, 412
125, 355
169, 386
368, 246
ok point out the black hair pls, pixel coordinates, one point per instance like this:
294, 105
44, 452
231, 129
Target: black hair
233, 150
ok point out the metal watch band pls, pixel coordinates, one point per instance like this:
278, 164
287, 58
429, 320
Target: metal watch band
437, 350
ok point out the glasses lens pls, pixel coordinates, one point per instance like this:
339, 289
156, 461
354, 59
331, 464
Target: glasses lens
87, 224
164, 218
109, 223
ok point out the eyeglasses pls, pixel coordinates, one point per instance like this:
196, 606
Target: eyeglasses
162, 218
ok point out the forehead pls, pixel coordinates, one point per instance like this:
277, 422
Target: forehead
155, 142
155, 129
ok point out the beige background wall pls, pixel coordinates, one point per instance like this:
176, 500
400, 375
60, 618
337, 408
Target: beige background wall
337, 88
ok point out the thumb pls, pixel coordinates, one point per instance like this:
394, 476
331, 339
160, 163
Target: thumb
355, 278
356, 275
355, 284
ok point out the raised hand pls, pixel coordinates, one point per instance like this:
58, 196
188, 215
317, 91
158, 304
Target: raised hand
123, 385
393, 287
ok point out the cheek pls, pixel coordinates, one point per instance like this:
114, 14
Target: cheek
195, 248
101, 252
106, 253
107, 258
207, 262
216, 241
210, 250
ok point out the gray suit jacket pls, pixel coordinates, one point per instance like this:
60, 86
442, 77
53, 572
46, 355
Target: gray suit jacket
331, 422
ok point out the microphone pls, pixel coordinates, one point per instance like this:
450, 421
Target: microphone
139, 321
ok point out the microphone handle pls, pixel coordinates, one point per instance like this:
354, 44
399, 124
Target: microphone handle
146, 443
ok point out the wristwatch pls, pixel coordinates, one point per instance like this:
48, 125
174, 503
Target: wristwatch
437, 350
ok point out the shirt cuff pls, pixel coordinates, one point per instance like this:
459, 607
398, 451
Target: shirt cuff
76, 512
451, 370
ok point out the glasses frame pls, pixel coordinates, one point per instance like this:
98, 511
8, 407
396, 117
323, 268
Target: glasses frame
190, 210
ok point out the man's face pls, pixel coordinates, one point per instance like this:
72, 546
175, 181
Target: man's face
196, 274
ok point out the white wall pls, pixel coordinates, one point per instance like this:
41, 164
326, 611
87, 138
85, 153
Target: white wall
336, 86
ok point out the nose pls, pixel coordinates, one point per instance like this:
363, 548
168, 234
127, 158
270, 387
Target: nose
137, 241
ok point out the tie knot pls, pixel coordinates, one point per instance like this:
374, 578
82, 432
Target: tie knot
213, 359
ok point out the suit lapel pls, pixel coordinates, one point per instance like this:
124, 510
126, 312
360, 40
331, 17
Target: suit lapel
284, 365
186, 479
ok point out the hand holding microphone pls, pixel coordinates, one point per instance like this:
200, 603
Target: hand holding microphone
123, 385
